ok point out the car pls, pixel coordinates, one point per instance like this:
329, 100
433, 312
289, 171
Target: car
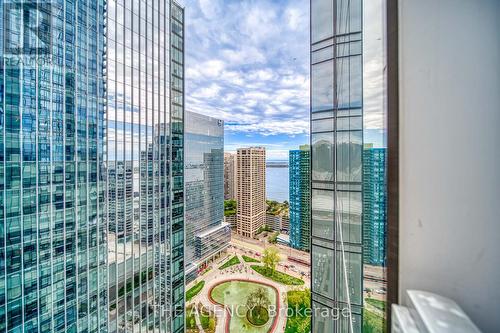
380, 291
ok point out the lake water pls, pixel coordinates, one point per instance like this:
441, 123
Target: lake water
277, 184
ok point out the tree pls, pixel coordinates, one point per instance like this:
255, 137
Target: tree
211, 324
306, 298
271, 258
230, 207
273, 239
303, 326
258, 299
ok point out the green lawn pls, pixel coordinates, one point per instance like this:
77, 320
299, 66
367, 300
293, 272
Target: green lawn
231, 262
249, 259
205, 319
373, 323
298, 322
194, 290
234, 294
258, 316
376, 303
190, 320
278, 276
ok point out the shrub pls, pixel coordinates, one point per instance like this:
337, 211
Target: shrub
231, 262
194, 290
249, 259
278, 276
297, 322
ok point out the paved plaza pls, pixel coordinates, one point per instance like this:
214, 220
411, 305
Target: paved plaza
244, 272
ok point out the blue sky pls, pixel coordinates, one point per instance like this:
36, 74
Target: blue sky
247, 62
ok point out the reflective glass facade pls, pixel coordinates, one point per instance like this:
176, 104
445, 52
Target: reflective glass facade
204, 172
144, 166
91, 166
300, 198
336, 160
374, 206
52, 227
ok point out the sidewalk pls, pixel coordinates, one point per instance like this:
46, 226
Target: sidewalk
215, 276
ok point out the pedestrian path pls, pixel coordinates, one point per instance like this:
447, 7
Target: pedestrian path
198, 323
241, 271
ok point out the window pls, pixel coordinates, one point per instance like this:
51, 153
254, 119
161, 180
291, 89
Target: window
322, 271
322, 214
322, 156
321, 19
322, 86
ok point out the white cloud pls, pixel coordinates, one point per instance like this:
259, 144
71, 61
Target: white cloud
374, 114
211, 91
210, 8
274, 127
247, 67
296, 18
244, 56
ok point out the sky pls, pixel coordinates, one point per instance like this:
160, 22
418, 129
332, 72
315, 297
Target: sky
247, 62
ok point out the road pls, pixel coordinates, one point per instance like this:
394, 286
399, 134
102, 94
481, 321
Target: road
245, 246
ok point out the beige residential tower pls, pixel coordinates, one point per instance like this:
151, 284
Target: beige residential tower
251, 196
230, 176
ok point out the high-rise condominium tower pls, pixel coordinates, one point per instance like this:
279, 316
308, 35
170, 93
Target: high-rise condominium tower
230, 176
145, 124
206, 234
374, 205
53, 243
251, 211
300, 198
336, 156
91, 136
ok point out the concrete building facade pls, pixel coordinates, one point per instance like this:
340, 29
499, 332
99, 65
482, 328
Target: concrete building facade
251, 195
230, 176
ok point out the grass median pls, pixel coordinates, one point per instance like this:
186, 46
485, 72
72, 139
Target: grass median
194, 290
250, 259
277, 276
231, 262
376, 303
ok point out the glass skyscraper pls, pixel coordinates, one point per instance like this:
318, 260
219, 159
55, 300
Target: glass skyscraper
336, 159
206, 233
300, 198
91, 166
53, 245
374, 205
144, 166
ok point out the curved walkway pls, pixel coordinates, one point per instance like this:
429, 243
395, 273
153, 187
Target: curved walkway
223, 316
241, 272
